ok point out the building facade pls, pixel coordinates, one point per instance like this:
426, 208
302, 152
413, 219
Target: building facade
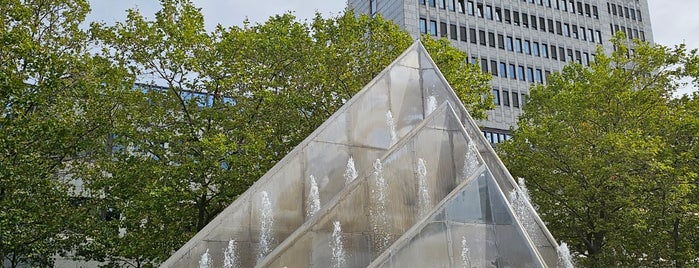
519, 42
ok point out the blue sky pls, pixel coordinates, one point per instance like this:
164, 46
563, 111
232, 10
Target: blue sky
674, 21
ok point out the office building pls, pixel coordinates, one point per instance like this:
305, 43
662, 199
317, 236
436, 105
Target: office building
519, 42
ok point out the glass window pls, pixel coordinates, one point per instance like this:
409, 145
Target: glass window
503, 70
505, 98
508, 44
472, 35
525, 20
515, 15
535, 49
527, 47
554, 53
498, 14
501, 41
469, 7
530, 74
507, 16
592, 35
633, 14
550, 22
491, 39
562, 53
515, 100
595, 13
559, 29
512, 72
494, 67
599, 37
586, 59
423, 26
520, 72
575, 32
443, 29
489, 12
460, 6
484, 65
518, 45
422, 2
481, 37
542, 24
587, 10
442, 4
583, 34
452, 31
479, 10
433, 28
566, 30
432, 3
462, 31
544, 50
372, 7
452, 6
539, 78
496, 96
533, 20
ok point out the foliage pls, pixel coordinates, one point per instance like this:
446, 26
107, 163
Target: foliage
231, 103
610, 157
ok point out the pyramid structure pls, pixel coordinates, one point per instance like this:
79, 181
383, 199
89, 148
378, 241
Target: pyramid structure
400, 173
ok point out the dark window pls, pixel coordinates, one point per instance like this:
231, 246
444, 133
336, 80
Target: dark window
570, 55
505, 98
463, 33
533, 20
494, 67
372, 7
613, 9
554, 52
575, 31
542, 24
481, 37
633, 14
491, 39
498, 14
479, 10
580, 8
595, 13
525, 20
550, 25
638, 14
472, 35
501, 41
515, 15
559, 28
515, 100
562, 54
507, 16
484, 65
452, 31
512, 72
626, 12
443, 29
587, 10
460, 7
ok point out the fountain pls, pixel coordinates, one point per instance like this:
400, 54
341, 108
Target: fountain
230, 259
350, 172
519, 197
266, 222
391, 127
470, 160
465, 253
431, 105
313, 199
377, 210
424, 203
205, 261
336, 245
565, 260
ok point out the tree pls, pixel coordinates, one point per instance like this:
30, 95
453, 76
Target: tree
232, 103
610, 157
53, 95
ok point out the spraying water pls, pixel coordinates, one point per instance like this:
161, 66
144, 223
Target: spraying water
431, 104
519, 197
424, 202
565, 260
465, 253
470, 160
336, 244
205, 261
266, 222
377, 211
350, 171
391, 127
230, 259
313, 199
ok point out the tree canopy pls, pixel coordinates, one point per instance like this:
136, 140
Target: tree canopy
610, 157
119, 142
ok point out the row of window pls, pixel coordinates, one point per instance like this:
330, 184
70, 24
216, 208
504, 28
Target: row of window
630, 33
624, 12
478, 8
496, 137
512, 71
509, 43
505, 100
533, 21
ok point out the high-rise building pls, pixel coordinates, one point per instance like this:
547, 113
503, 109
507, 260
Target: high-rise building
519, 42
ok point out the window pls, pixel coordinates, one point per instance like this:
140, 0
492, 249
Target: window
498, 14
423, 26
472, 35
489, 12
506, 98
452, 6
460, 7
518, 45
583, 34
527, 47
484, 65
494, 67
595, 13
442, 4
501, 41
544, 51
515, 100
578, 58
515, 15
554, 52
586, 59
592, 35
626, 12
566, 30
613, 9
550, 21
507, 16
479, 10
535, 49
575, 31
633, 14
481, 37
580, 8
520, 72
512, 72
530, 74
587, 10
542, 24
372, 7
491, 39
422, 2
462, 31
539, 78
469, 7
525, 20
496, 97
638, 15
443, 29
599, 37
432, 3
570, 55
503, 70
508, 44
559, 29
562, 53
452, 31
433, 28
533, 20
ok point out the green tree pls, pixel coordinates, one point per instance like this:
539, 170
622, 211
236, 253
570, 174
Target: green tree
53, 96
231, 104
610, 157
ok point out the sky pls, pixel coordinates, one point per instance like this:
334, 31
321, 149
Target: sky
673, 21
